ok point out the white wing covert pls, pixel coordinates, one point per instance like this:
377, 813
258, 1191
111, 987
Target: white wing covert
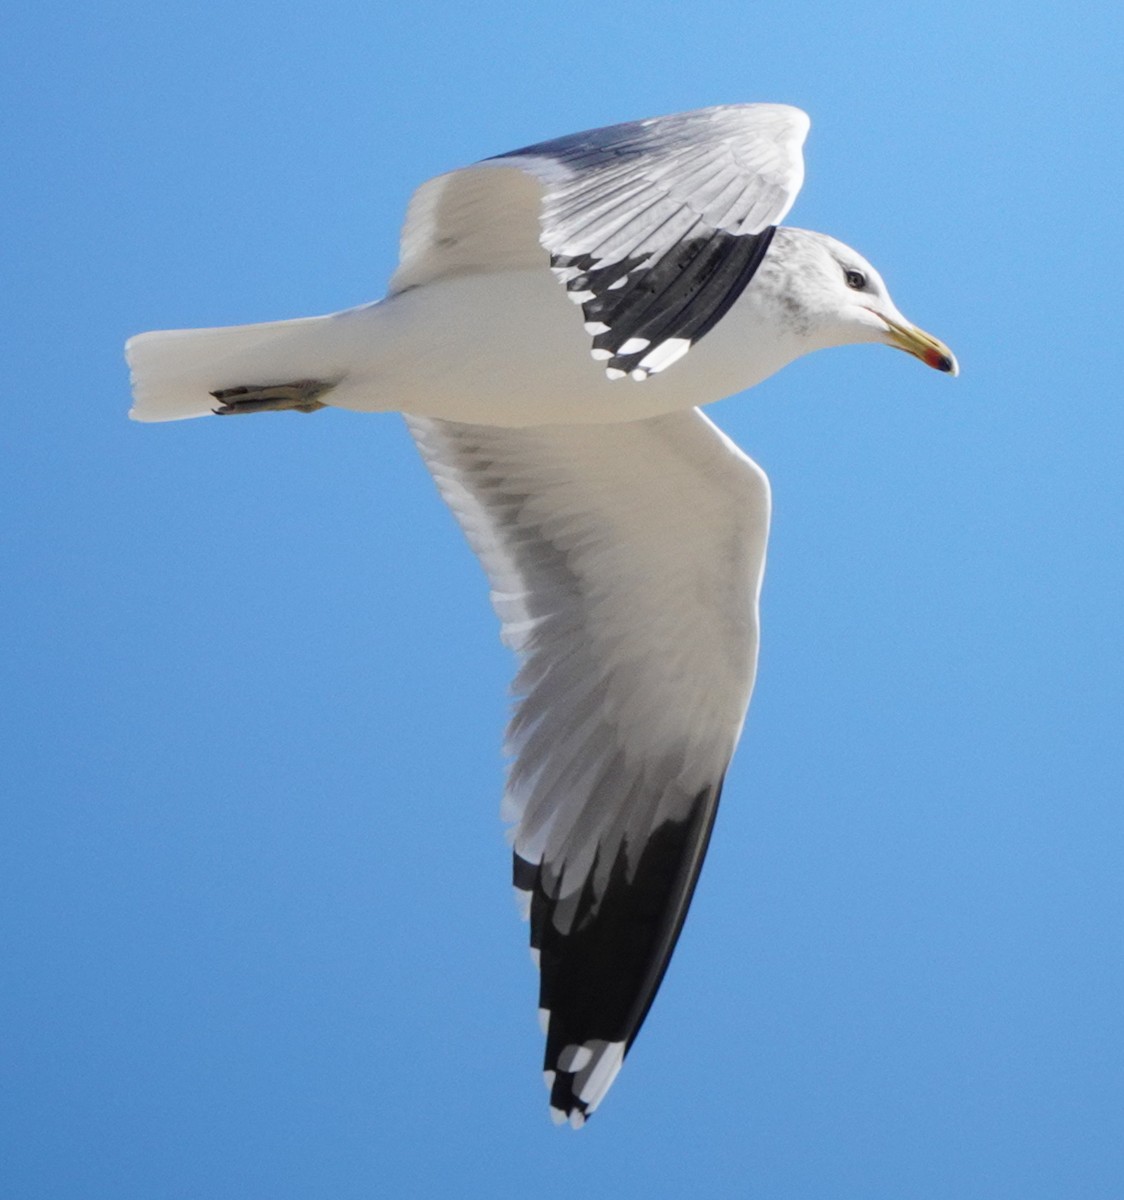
653, 227
625, 563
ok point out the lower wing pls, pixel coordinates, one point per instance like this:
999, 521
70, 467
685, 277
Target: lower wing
625, 563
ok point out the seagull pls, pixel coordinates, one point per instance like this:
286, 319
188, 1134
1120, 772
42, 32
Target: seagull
557, 317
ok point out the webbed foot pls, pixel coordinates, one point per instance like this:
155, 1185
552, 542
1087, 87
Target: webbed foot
300, 396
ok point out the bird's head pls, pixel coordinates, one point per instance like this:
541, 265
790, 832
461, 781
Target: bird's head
835, 297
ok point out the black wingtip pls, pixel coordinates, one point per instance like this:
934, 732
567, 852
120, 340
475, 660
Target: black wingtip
603, 952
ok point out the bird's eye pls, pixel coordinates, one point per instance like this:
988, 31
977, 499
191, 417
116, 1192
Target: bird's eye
855, 279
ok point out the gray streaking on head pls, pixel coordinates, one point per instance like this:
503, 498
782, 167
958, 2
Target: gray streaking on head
557, 316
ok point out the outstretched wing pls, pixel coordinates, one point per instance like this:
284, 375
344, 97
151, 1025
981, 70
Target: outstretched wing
625, 563
654, 227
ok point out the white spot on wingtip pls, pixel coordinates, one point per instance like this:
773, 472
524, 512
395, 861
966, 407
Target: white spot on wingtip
666, 353
596, 327
593, 1089
634, 345
523, 903
639, 374
614, 373
548, 1078
557, 1115
577, 1119
535, 956
580, 297
601, 355
574, 1058
544, 1020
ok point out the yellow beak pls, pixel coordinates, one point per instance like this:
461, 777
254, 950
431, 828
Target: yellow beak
921, 345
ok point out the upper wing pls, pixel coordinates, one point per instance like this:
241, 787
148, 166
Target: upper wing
625, 563
654, 227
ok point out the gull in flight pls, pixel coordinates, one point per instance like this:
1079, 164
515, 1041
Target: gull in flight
557, 316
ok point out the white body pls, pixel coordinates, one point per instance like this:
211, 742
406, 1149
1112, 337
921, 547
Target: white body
505, 348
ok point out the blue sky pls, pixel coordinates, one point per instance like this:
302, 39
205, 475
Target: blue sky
256, 932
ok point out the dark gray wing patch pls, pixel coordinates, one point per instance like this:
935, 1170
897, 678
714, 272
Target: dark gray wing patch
643, 314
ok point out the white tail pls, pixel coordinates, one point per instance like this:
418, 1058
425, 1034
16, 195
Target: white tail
175, 371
